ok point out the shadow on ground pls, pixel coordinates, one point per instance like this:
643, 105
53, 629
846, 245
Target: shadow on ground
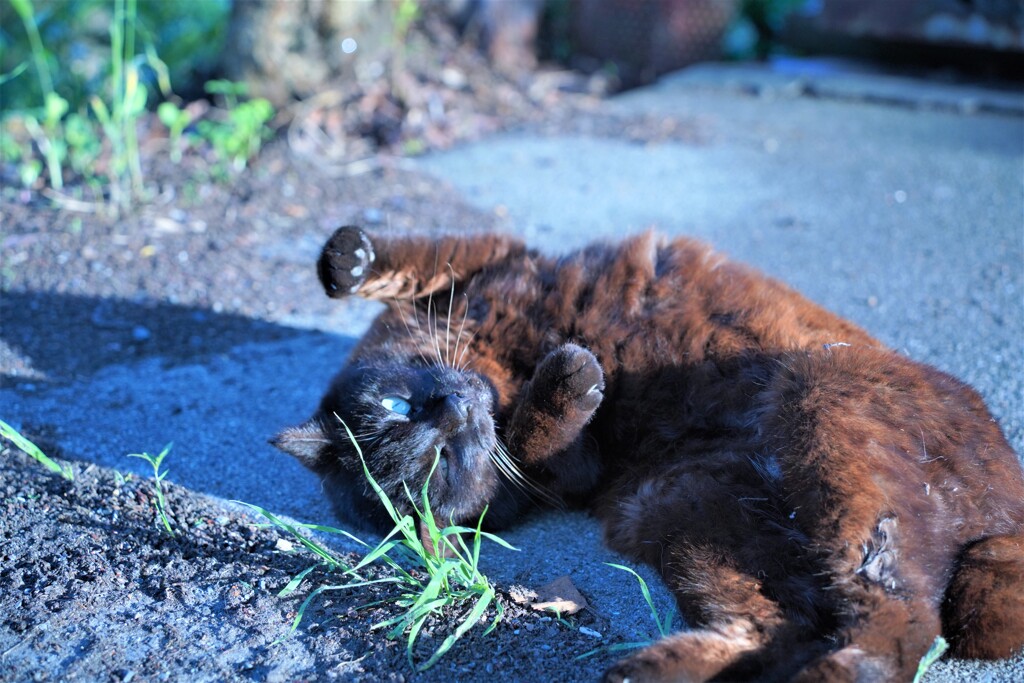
96, 379
63, 337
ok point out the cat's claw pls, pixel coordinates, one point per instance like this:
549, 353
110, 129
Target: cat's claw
345, 262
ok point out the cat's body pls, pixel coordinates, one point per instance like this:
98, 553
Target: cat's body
821, 507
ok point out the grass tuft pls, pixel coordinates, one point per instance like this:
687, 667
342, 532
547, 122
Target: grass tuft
449, 566
9, 432
161, 503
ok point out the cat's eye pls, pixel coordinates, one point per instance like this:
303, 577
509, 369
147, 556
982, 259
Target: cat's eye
396, 405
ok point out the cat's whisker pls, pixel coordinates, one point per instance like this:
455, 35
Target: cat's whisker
507, 466
458, 361
405, 320
430, 301
448, 321
433, 332
462, 327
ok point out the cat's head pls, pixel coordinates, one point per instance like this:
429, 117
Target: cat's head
407, 416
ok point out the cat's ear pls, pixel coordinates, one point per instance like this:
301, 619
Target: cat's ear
307, 442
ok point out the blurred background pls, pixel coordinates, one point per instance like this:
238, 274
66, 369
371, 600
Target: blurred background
85, 83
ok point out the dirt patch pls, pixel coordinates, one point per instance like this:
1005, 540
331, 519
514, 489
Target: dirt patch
94, 589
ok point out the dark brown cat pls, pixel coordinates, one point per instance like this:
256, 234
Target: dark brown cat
821, 507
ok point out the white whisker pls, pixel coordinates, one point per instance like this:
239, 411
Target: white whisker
462, 327
458, 361
405, 320
507, 466
433, 331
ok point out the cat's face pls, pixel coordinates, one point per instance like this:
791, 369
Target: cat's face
405, 416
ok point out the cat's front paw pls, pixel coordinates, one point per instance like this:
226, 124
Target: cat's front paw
345, 261
570, 379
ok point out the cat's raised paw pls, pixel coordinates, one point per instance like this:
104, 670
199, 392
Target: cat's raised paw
571, 377
345, 261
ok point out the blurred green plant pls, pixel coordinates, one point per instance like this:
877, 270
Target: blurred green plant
238, 134
93, 131
74, 40
48, 134
128, 101
406, 14
67, 136
176, 120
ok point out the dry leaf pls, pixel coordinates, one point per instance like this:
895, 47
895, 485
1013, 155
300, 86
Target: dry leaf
559, 596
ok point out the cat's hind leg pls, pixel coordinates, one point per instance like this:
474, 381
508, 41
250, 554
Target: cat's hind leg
741, 579
745, 635
983, 615
387, 268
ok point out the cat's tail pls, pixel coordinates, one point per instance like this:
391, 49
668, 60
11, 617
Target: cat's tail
983, 614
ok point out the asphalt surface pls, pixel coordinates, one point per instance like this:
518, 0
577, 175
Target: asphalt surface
897, 203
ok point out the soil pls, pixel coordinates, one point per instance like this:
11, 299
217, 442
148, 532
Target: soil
91, 587
85, 559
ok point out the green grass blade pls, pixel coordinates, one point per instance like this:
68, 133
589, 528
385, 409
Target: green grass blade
14, 73
474, 616
296, 580
643, 589
665, 627
499, 610
333, 530
369, 477
938, 648
380, 552
477, 538
311, 545
411, 616
617, 647
499, 540
316, 593
10, 433
410, 642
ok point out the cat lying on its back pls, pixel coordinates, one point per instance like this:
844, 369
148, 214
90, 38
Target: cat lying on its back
821, 507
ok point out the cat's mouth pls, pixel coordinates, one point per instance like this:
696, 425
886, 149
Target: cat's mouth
443, 466
453, 463
462, 481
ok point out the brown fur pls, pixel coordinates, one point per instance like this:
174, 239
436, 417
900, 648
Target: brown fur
821, 507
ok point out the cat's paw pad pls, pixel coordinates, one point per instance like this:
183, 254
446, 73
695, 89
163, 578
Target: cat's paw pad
572, 374
345, 262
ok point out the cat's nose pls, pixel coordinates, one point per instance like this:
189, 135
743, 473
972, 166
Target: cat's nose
453, 412
457, 404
